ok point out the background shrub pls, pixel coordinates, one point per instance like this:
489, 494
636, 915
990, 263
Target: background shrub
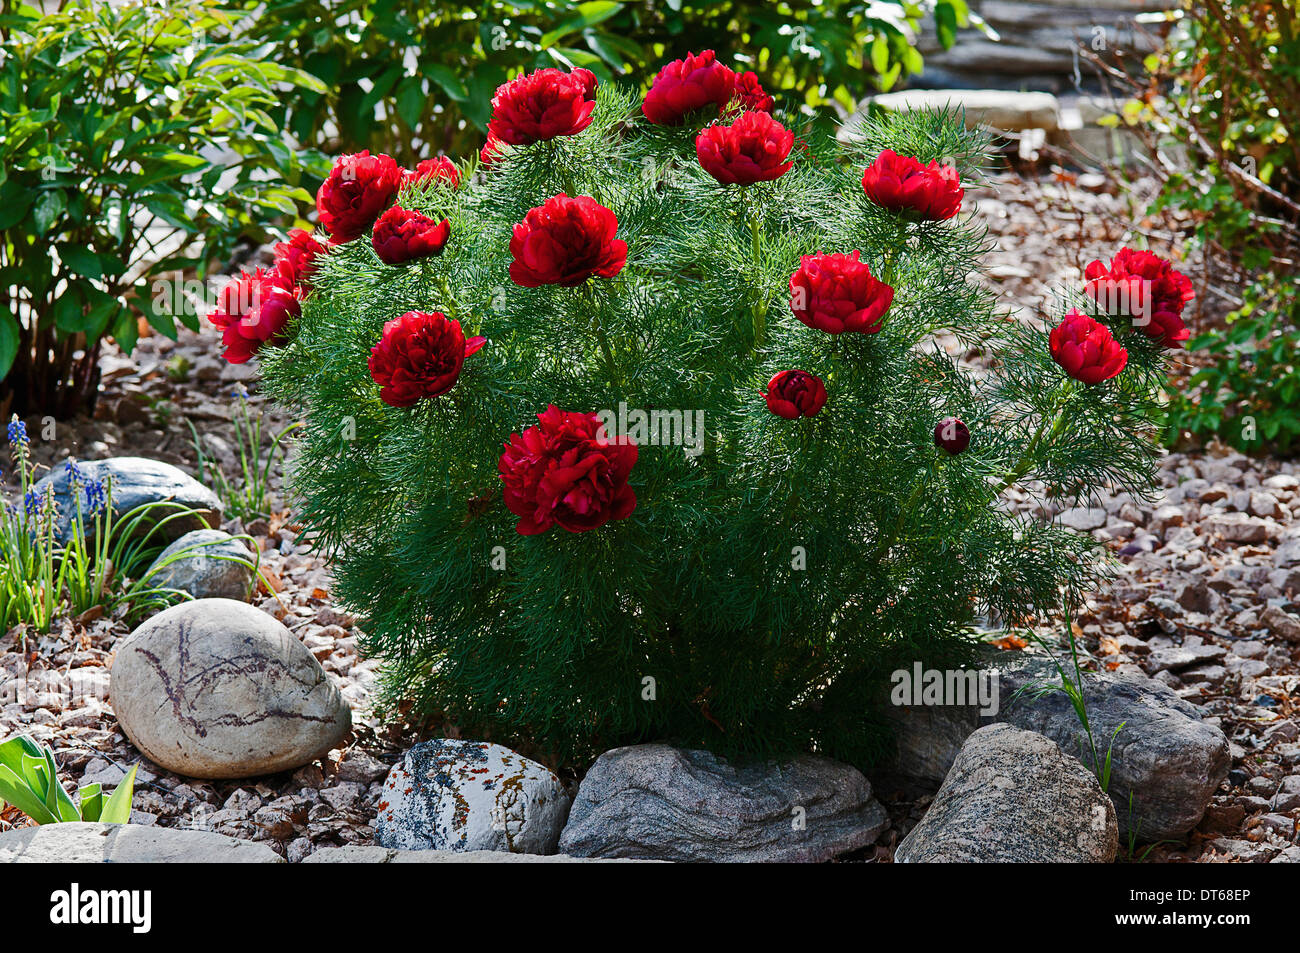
1224, 106
416, 78
135, 141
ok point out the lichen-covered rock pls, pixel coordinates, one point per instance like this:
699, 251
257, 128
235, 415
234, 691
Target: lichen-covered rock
662, 803
217, 689
81, 843
456, 795
1014, 796
217, 566
136, 481
1167, 759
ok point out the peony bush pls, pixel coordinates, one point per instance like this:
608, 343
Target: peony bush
667, 419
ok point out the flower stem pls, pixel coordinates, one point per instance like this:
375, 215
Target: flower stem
1049, 428
760, 305
602, 338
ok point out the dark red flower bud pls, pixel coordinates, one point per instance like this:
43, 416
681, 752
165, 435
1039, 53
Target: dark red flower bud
951, 434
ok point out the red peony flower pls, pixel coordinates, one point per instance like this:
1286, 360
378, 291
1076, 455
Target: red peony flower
254, 309
490, 153
402, 235
565, 242
295, 260
419, 355
566, 471
754, 148
1145, 288
542, 105
792, 394
836, 293
902, 184
751, 95
687, 85
358, 188
1086, 349
437, 168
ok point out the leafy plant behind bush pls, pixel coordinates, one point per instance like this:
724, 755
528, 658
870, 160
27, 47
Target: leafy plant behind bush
135, 141
759, 593
1226, 98
415, 79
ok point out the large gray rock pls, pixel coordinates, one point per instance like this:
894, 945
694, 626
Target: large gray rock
218, 567
1014, 796
136, 481
1165, 757
80, 843
662, 803
451, 795
217, 689
357, 854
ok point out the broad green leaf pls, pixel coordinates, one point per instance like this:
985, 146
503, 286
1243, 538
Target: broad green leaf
945, 23
13, 749
447, 80
117, 809
58, 800
48, 208
126, 331
16, 791
91, 802
10, 335
81, 260
589, 14
410, 101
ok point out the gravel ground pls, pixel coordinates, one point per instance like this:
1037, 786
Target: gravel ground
1205, 602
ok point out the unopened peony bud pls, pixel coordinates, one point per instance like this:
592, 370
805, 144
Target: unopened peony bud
952, 435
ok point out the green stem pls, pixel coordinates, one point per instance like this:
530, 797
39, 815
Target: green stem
1049, 428
447, 299
760, 305
905, 509
602, 338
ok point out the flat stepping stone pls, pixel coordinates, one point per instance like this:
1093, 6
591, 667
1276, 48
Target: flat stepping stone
386, 855
82, 843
